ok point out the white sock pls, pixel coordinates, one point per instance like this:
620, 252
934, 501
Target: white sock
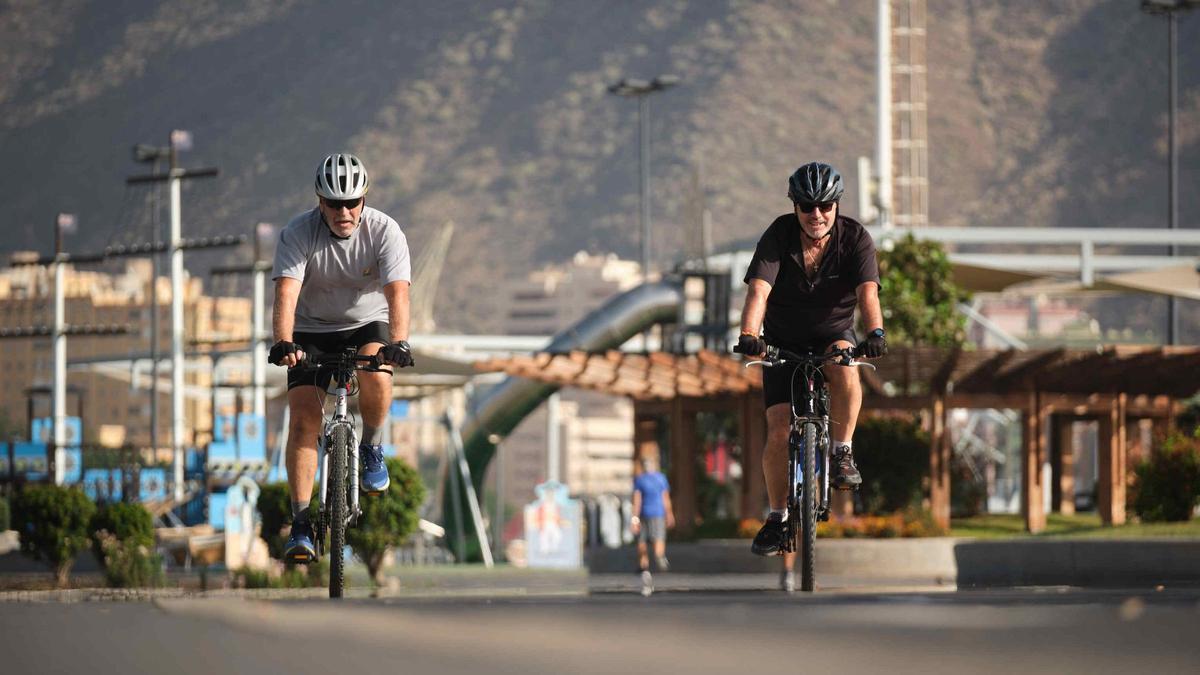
781, 512
849, 444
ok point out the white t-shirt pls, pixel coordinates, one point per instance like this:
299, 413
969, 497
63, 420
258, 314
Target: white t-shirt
342, 279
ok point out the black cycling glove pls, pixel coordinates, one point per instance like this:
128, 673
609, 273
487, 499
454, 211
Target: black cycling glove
875, 345
750, 345
397, 354
281, 350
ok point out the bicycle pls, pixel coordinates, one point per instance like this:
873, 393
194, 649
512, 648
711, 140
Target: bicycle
339, 505
808, 471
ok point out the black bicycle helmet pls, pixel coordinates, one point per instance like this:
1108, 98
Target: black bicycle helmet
815, 183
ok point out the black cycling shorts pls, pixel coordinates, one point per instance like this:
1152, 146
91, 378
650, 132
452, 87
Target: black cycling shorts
326, 343
777, 381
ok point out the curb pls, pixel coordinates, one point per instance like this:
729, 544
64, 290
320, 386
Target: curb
944, 560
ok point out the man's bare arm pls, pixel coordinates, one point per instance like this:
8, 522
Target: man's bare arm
283, 318
868, 304
636, 521
756, 306
398, 309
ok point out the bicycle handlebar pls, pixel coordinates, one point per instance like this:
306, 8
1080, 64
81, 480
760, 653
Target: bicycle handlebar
318, 361
777, 356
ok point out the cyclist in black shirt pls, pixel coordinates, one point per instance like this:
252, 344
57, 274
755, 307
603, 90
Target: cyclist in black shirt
810, 270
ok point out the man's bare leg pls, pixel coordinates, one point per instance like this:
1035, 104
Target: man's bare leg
305, 405
775, 455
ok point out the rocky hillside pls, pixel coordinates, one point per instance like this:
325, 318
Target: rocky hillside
495, 115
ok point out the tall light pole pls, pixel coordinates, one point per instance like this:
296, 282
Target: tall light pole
1170, 8
179, 141
64, 224
152, 154
641, 89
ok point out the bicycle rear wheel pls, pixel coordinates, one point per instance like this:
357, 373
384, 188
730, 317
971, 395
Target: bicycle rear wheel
808, 510
339, 450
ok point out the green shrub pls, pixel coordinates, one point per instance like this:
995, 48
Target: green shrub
918, 294
893, 457
275, 511
129, 563
1166, 485
968, 491
130, 524
315, 575
388, 519
5, 515
53, 522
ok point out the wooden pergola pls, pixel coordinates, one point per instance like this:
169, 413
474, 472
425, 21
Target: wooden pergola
1051, 388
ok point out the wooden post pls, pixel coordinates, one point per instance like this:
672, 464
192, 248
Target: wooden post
753, 425
1159, 429
1033, 452
1062, 463
683, 466
841, 503
939, 462
1112, 452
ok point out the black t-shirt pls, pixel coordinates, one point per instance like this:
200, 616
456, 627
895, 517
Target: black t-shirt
801, 310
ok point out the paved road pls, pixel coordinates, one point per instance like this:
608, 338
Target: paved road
1046, 630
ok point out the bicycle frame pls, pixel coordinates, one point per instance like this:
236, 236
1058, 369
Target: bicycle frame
340, 416
811, 406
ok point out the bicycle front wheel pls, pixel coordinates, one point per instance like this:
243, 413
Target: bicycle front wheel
339, 451
808, 510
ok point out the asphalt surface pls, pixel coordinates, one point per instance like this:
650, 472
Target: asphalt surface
615, 630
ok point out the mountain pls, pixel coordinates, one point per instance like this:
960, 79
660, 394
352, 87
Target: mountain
496, 115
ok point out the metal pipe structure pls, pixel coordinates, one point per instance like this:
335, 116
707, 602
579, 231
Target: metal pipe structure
883, 102
174, 238
553, 439
59, 396
258, 331
501, 408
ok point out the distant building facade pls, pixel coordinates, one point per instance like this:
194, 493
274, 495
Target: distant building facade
113, 394
595, 430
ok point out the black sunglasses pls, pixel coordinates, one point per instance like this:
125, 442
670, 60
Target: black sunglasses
808, 207
339, 204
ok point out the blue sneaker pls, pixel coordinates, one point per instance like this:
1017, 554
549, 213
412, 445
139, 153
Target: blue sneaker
300, 547
373, 473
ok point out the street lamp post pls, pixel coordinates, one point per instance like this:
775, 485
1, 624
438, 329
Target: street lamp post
1170, 8
641, 89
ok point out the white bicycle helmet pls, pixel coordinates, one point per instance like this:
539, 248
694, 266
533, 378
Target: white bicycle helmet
342, 176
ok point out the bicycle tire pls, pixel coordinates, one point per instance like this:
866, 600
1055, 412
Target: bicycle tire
808, 509
339, 450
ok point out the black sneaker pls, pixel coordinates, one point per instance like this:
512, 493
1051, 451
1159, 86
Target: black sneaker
769, 540
845, 474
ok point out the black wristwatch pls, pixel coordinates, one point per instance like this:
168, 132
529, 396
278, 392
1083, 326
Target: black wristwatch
878, 332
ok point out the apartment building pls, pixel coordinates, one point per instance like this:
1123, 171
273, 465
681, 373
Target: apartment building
112, 389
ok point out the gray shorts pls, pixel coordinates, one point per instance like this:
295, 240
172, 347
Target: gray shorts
654, 529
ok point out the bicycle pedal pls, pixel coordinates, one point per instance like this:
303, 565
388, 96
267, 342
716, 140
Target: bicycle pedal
374, 493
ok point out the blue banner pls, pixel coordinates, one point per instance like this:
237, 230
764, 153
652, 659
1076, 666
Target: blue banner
252, 438
30, 461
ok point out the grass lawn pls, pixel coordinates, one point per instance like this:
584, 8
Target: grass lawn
999, 526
